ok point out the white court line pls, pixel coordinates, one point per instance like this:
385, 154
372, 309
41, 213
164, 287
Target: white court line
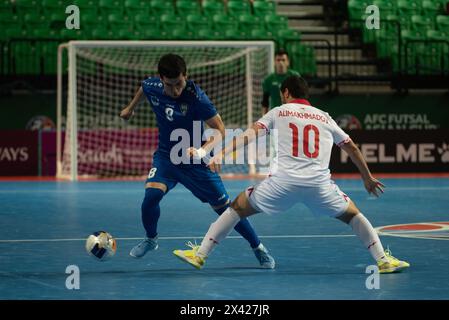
187, 238
121, 191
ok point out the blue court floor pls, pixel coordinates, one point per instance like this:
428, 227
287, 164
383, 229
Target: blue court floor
44, 225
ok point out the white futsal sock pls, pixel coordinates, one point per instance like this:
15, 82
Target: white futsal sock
366, 233
218, 231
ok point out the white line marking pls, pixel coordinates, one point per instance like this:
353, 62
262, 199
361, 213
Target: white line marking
141, 190
136, 191
186, 238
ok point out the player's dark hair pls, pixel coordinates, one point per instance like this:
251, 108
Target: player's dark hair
297, 87
281, 52
171, 66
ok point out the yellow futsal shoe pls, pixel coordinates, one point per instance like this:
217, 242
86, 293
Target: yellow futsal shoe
190, 256
392, 265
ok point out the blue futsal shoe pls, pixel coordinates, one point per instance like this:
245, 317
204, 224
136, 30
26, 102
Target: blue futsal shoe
264, 258
143, 247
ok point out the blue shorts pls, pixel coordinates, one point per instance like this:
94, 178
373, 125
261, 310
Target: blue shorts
199, 179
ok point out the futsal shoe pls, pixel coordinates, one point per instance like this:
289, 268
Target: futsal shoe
190, 256
392, 265
143, 247
264, 258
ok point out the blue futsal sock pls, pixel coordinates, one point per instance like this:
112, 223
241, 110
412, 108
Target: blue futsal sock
151, 210
244, 228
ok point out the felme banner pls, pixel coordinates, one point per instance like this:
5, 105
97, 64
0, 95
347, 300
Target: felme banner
397, 151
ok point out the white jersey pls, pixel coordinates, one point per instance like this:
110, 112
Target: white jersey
305, 136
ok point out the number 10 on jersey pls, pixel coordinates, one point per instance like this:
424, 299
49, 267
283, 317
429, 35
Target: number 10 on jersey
305, 142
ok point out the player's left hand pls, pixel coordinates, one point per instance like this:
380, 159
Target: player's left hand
373, 186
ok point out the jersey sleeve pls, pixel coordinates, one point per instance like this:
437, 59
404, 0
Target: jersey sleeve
340, 137
206, 108
267, 121
146, 85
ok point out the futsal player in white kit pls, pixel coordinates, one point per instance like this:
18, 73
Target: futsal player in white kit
300, 174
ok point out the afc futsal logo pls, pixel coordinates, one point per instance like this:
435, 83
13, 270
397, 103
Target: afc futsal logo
154, 101
184, 108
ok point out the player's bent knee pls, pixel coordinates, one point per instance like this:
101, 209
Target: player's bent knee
152, 197
221, 208
242, 206
350, 213
156, 185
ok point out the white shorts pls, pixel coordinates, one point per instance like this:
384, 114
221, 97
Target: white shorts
273, 197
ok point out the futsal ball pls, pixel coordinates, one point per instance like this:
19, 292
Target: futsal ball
101, 245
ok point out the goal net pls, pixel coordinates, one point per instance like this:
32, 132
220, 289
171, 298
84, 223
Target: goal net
103, 77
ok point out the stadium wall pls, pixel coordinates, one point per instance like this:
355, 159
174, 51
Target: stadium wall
396, 134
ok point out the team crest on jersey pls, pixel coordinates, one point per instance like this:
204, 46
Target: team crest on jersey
154, 101
184, 108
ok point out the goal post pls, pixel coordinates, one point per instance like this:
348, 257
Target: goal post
102, 78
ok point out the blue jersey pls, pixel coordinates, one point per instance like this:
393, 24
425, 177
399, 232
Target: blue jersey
192, 105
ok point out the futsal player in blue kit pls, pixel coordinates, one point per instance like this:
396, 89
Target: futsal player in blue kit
178, 103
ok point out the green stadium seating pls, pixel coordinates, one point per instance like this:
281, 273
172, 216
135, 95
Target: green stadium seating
119, 22
24, 7
408, 8
135, 7
275, 22
442, 23
74, 34
436, 57
169, 21
209, 34
386, 7
186, 7
160, 7
8, 20
100, 33
264, 8
260, 34
237, 8
422, 23
223, 22
6, 7
356, 10
196, 21
213, 7
285, 36
431, 8
179, 33
90, 20
249, 22
302, 58
134, 20
235, 34
50, 7
32, 21
154, 34
108, 7
87, 6
144, 21
411, 49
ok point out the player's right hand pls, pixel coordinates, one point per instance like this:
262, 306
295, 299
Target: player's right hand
126, 113
373, 186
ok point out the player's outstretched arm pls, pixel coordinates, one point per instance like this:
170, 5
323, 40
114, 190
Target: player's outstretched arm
128, 111
217, 124
372, 185
238, 142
